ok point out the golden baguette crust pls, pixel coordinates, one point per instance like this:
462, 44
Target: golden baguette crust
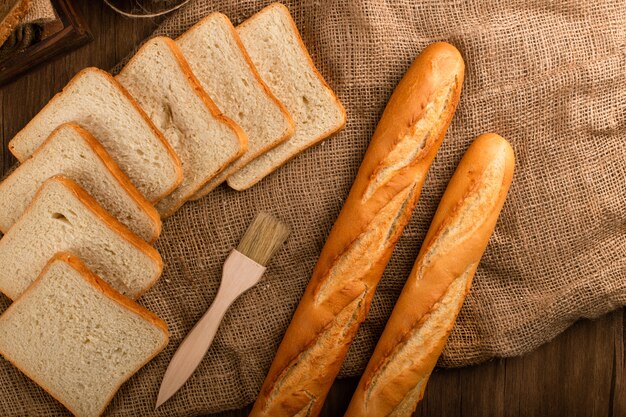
115, 171
193, 82
414, 337
12, 19
110, 221
360, 243
170, 151
101, 286
292, 125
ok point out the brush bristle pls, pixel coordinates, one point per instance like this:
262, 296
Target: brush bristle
263, 238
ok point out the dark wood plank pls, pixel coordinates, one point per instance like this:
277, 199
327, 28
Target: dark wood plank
572, 375
618, 406
580, 373
443, 394
114, 37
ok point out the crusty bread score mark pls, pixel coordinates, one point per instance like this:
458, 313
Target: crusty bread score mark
366, 249
480, 199
465, 218
328, 343
407, 405
416, 143
426, 335
407, 151
306, 411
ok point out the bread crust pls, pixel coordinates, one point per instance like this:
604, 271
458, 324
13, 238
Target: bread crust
101, 286
173, 156
13, 19
113, 168
122, 178
438, 69
107, 219
116, 226
291, 124
329, 133
434, 272
193, 82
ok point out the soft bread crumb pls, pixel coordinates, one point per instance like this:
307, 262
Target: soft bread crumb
73, 152
60, 220
95, 101
76, 342
205, 141
273, 42
217, 58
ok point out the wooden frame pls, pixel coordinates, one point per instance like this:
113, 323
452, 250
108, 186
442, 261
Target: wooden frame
75, 33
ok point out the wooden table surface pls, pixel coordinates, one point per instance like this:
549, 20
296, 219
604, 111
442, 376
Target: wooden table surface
580, 373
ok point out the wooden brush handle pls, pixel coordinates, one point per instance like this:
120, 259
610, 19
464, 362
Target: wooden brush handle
240, 274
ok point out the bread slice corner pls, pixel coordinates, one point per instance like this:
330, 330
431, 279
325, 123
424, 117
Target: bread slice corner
94, 100
220, 62
64, 217
161, 81
273, 42
92, 338
72, 151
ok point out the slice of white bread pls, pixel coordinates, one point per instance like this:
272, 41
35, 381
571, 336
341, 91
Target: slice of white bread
276, 49
221, 64
98, 103
160, 79
63, 217
72, 151
77, 338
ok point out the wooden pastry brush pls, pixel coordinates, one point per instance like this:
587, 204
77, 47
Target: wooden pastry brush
243, 268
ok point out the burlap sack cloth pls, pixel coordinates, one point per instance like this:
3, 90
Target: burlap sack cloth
30, 28
549, 76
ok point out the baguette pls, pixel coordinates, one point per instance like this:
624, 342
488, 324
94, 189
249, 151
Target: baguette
395, 378
360, 243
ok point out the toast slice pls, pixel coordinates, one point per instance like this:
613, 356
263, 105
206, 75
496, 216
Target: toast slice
276, 49
77, 338
160, 79
63, 217
98, 103
221, 64
72, 151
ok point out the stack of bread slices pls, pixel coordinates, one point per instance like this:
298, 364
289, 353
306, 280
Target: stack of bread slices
108, 157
